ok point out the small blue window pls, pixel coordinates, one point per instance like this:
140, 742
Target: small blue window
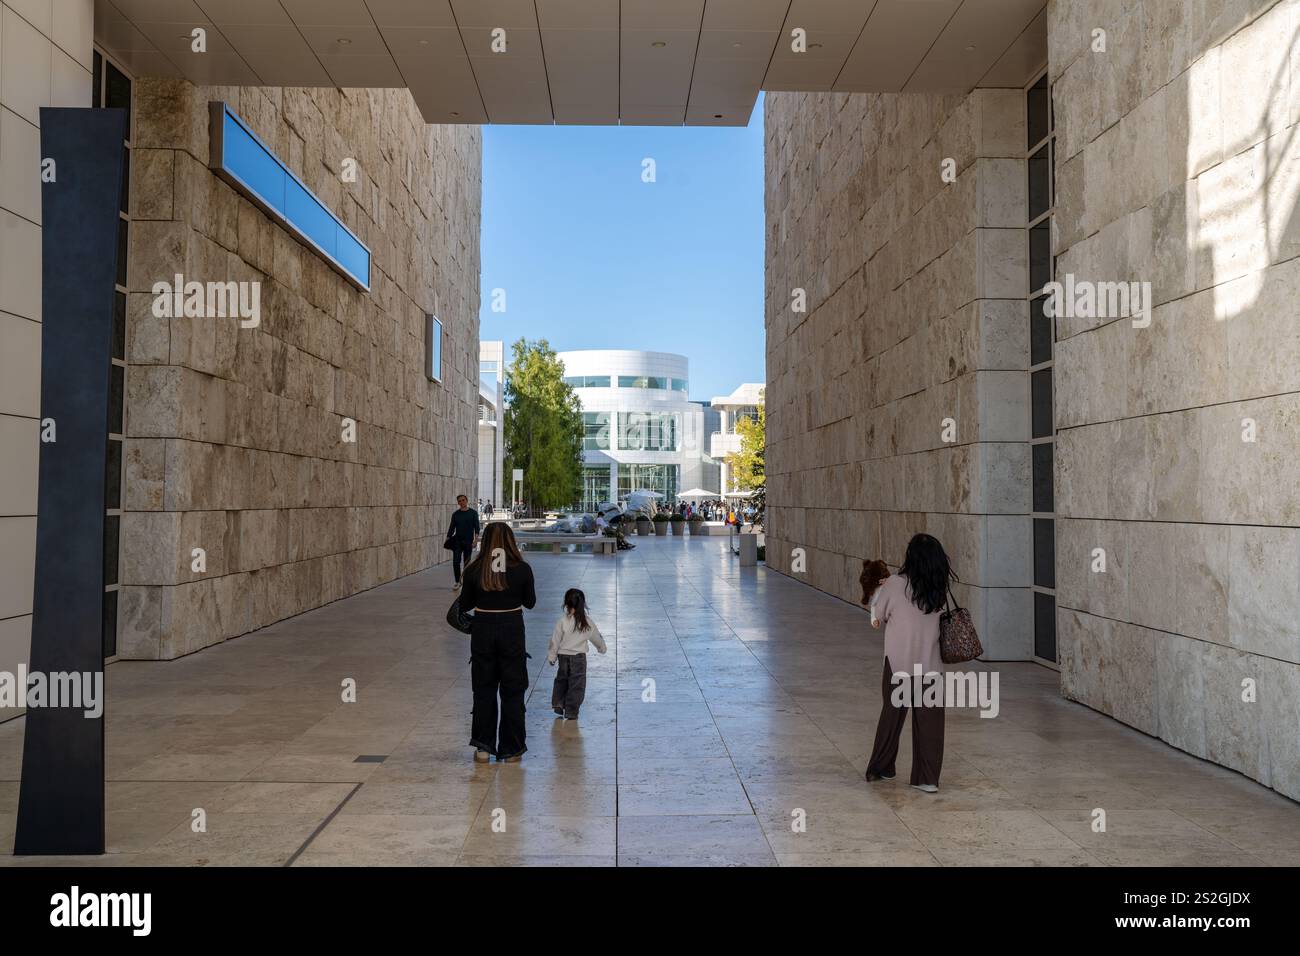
432, 348
242, 160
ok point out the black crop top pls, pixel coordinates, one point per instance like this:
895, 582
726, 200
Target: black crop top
519, 590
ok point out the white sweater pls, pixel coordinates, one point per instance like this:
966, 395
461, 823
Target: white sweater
567, 639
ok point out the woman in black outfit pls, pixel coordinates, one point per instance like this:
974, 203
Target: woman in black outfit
497, 586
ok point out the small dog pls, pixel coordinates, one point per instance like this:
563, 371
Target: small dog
873, 573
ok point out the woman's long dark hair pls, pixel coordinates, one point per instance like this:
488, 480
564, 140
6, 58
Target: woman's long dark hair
928, 572
575, 602
497, 536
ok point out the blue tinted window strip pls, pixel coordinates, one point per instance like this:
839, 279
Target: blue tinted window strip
347, 254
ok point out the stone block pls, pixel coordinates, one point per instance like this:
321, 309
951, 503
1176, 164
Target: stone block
1235, 732
1180, 682
1264, 591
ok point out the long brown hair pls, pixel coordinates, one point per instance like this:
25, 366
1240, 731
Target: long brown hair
496, 536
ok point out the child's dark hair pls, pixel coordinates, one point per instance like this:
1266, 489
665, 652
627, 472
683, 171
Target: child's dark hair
575, 602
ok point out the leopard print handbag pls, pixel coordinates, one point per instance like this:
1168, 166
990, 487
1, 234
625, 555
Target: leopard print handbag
958, 641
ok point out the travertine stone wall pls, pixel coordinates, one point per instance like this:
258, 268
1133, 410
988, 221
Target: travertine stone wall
916, 313
235, 435
1178, 163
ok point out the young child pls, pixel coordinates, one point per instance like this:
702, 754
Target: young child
569, 646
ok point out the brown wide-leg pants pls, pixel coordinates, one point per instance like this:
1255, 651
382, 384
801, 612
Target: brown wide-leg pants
927, 736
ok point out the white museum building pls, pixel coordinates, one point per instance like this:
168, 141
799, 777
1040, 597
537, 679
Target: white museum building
641, 430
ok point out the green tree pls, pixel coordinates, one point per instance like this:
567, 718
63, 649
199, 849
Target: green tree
747, 465
543, 426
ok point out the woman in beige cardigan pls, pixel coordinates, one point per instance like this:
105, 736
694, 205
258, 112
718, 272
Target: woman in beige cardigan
908, 605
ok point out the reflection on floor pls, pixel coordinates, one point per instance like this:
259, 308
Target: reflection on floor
764, 704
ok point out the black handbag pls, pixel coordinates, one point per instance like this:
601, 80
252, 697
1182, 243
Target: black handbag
451, 538
458, 618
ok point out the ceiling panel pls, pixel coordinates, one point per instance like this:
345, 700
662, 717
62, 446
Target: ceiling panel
120, 36
735, 116
639, 115
433, 43
146, 63
662, 14
659, 62
578, 14
287, 67
487, 14
726, 82
175, 38
520, 40
658, 76
738, 44
828, 16
372, 72
765, 15
819, 66
893, 43
971, 43
161, 11
255, 37
582, 69
589, 114
1026, 55
343, 40
444, 89
514, 88
250, 12
216, 69
334, 13
412, 13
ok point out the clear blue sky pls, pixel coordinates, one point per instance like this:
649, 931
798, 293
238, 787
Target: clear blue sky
592, 257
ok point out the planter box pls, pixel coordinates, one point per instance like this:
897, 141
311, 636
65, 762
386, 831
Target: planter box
643, 526
661, 528
679, 527
695, 527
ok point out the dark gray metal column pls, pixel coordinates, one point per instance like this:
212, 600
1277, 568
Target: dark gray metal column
61, 798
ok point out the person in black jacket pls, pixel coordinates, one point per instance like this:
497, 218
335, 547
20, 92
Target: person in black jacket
462, 533
496, 587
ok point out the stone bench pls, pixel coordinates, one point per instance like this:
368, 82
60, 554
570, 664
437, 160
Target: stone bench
598, 542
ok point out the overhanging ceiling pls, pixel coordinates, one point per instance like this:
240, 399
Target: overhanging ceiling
596, 62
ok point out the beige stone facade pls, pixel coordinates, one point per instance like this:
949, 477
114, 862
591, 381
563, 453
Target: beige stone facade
236, 436
916, 314
1177, 163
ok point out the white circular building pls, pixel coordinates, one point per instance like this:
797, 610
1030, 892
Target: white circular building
642, 432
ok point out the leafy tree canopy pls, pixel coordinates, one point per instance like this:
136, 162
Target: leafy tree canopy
543, 426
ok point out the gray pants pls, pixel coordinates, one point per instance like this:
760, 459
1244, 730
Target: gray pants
570, 684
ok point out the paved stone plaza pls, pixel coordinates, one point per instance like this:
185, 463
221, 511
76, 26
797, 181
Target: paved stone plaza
766, 694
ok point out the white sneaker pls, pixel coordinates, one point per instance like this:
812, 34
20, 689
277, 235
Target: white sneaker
456, 586
926, 787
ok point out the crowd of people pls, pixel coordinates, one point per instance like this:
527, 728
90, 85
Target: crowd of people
714, 509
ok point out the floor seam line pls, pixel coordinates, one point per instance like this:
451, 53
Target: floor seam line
322, 825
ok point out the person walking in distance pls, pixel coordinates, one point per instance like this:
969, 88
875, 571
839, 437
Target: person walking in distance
464, 532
